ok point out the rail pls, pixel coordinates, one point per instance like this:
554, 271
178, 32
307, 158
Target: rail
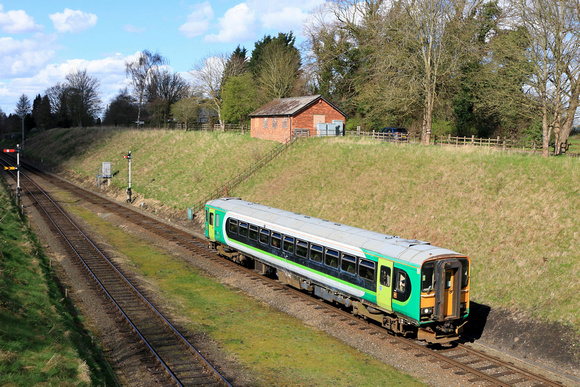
230, 185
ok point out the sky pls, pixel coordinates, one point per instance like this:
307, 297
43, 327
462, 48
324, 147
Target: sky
43, 40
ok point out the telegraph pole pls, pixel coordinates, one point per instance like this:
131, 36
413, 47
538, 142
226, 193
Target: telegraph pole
128, 157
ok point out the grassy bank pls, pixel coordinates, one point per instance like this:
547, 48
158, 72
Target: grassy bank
515, 215
41, 342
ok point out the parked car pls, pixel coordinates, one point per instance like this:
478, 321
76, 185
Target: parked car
391, 133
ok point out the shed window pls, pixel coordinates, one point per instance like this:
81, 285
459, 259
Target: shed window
301, 249
366, 269
285, 122
274, 123
331, 258
253, 232
348, 264
265, 123
316, 253
276, 239
243, 229
288, 244
264, 236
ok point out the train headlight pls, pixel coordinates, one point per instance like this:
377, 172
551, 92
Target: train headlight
426, 311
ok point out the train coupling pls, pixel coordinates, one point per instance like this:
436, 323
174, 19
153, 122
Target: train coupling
431, 336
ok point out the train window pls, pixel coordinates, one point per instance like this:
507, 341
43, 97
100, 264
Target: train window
401, 281
331, 258
385, 279
264, 236
211, 218
366, 269
301, 249
253, 232
402, 285
464, 273
243, 229
288, 244
316, 253
427, 277
348, 264
276, 238
233, 225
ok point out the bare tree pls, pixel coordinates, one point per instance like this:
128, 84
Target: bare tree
207, 78
83, 97
554, 54
278, 71
140, 72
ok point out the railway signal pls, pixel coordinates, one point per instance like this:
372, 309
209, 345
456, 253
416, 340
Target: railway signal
128, 157
17, 168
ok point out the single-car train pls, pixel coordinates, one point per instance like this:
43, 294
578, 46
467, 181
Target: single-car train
408, 286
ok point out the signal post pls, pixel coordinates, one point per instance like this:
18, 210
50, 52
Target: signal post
17, 168
128, 157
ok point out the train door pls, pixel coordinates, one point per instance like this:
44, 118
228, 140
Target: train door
448, 289
211, 224
384, 284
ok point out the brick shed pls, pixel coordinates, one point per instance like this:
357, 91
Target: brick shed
285, 118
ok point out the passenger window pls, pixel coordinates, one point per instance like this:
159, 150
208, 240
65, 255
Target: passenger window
276, 238
264, 236
233, 226
301, 249
288, 244
244, 229
253, 232
331, 258
366, 269
348, 264
401, 282
316, 253
217, 220
385, 279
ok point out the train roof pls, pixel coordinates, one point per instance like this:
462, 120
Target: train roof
408, 250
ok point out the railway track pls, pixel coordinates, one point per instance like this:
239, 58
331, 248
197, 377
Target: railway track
474, 366
180, 361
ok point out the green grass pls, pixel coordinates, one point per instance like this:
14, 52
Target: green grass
41, 342
515, 215
274, 347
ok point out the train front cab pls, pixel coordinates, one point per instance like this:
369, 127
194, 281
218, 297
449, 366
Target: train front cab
213, 229
444, 298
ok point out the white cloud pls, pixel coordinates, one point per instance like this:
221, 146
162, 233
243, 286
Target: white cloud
198, 21
73, 21
284, 19
236, 25
24, 57
16, 22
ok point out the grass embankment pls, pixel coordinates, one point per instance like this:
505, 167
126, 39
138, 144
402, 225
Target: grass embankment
515, 215
40, 340
273, 347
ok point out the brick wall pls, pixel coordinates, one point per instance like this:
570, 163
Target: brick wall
274, 128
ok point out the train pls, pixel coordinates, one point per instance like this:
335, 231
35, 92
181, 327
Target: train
408, 286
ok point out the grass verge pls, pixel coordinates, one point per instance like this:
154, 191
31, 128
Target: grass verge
41, 338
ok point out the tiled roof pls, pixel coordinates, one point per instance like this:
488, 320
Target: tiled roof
286, 106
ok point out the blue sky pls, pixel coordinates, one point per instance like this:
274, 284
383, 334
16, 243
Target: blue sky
42, 41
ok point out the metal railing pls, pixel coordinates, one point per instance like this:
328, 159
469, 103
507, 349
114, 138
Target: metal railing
229, 186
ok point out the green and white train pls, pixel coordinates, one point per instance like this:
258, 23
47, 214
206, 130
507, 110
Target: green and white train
408, 286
